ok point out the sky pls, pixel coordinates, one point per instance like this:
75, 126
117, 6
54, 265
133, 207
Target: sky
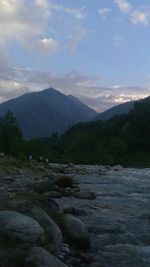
97, 50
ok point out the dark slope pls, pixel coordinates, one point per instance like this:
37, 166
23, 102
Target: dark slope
41, 113
89, 111
114, 111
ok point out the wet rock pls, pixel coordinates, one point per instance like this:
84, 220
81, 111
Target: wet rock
76, 232
96, 264
51, 206
67, 191
39, 257
117, 168
63, 181
65, 248
74, 211
84, 195
20, 228
52, 231
55, 194
44, 186
86, 258
70, 165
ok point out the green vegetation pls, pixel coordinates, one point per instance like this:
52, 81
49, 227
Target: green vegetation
122, 140
11, 140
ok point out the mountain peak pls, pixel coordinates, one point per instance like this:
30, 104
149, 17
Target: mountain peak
39, 114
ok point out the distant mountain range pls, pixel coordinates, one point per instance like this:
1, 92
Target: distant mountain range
39, 114
116, 110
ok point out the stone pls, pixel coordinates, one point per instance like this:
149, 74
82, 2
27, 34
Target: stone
51, 206
39, 257
86, 258
76, 232
84, 195
67, 191
20, 228
55, 194
65, 248
63, 181
44, 186
95, 264
52, 231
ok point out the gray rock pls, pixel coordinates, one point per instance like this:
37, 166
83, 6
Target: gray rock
52, 232
55, 194
84, 195
51, 206
95, 264
20, 228
44, 186
67, 191
39, 257
63, 181
76, 232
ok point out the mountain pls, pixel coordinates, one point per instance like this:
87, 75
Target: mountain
123, 139
89, 111
116, 110
39, 114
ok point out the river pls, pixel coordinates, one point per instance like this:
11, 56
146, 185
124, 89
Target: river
119, 218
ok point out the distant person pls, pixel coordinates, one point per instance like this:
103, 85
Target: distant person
30, 157
41, 158
47, 161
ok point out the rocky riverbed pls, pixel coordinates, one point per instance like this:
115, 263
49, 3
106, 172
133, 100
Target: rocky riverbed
77, 216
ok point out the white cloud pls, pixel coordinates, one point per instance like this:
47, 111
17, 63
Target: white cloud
104, 12
31, 24
119, 40
137, 15
141, 17
23, 23
77, 13
18, 81
77, 36
123, 5
46, 46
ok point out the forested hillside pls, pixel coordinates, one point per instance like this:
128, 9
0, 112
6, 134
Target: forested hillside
124, 139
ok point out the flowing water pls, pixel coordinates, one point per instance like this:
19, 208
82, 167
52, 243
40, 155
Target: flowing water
119, 218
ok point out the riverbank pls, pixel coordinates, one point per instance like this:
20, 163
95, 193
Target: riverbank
87, 215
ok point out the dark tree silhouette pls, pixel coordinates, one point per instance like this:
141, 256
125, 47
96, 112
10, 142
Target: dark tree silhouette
10, 134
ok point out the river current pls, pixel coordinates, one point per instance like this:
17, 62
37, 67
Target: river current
119, 218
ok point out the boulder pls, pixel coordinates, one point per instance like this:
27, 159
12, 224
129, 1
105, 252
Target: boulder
76, 232
84, 195
53, 233
55, 194
45, 186
50, 205
17, 227
67, 191
63, 181
39, 257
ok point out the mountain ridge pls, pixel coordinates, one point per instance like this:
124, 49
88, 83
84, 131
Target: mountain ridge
116, 110
39, 114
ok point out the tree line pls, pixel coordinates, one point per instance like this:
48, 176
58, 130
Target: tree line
123, 139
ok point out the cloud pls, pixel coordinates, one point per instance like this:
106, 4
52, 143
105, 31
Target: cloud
33, 26
124, 6
75, 38
104, 12
141, 17
46, 46
77, 13
137, 15
22, 24
17, 81
119, 40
